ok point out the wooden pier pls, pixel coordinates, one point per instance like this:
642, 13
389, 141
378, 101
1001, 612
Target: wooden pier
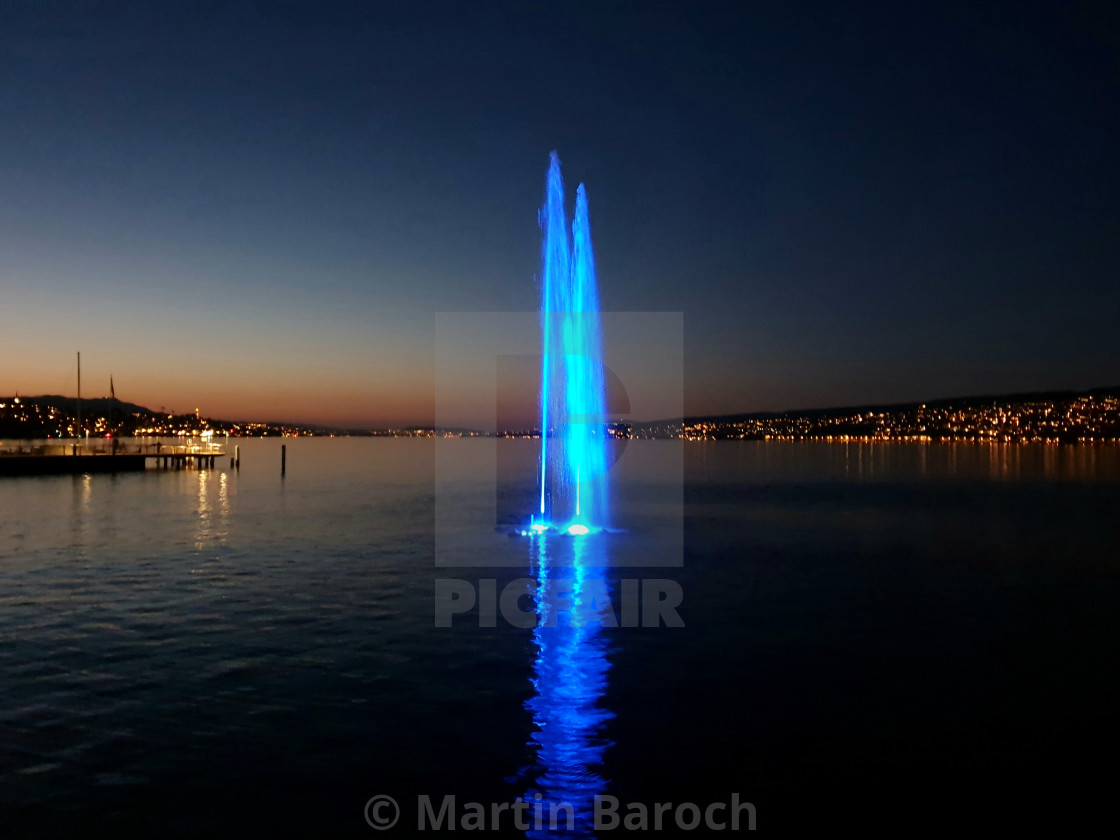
186, 460
72, 459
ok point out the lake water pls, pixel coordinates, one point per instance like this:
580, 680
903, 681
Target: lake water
875, 636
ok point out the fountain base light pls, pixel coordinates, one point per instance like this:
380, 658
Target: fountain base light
541, 529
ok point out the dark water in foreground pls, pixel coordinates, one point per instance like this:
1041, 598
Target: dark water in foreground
876, 637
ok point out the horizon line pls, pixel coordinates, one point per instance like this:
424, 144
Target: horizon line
329, 427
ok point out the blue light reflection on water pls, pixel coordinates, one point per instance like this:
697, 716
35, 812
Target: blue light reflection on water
570, 679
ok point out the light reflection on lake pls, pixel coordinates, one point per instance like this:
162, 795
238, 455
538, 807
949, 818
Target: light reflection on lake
227, 652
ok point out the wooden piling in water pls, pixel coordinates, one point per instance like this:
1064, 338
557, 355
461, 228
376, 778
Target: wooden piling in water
283, 458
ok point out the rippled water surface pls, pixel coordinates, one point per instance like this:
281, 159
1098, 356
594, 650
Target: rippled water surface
870, 631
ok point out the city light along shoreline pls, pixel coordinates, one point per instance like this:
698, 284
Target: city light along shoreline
1086, 417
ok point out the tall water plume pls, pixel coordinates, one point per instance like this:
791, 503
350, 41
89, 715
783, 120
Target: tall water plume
573, 461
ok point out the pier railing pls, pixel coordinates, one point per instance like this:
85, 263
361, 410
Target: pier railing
106, 447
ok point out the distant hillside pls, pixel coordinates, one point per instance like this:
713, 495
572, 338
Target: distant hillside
98, 406
974, 401
52, 415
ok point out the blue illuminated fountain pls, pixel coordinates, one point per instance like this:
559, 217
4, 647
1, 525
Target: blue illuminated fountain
571, 663
573, 479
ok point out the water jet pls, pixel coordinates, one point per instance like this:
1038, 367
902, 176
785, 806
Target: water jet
572, 474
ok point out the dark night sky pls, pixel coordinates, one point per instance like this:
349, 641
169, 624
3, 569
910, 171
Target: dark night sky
257, 208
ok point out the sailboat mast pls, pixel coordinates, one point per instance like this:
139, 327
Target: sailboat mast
79, 395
